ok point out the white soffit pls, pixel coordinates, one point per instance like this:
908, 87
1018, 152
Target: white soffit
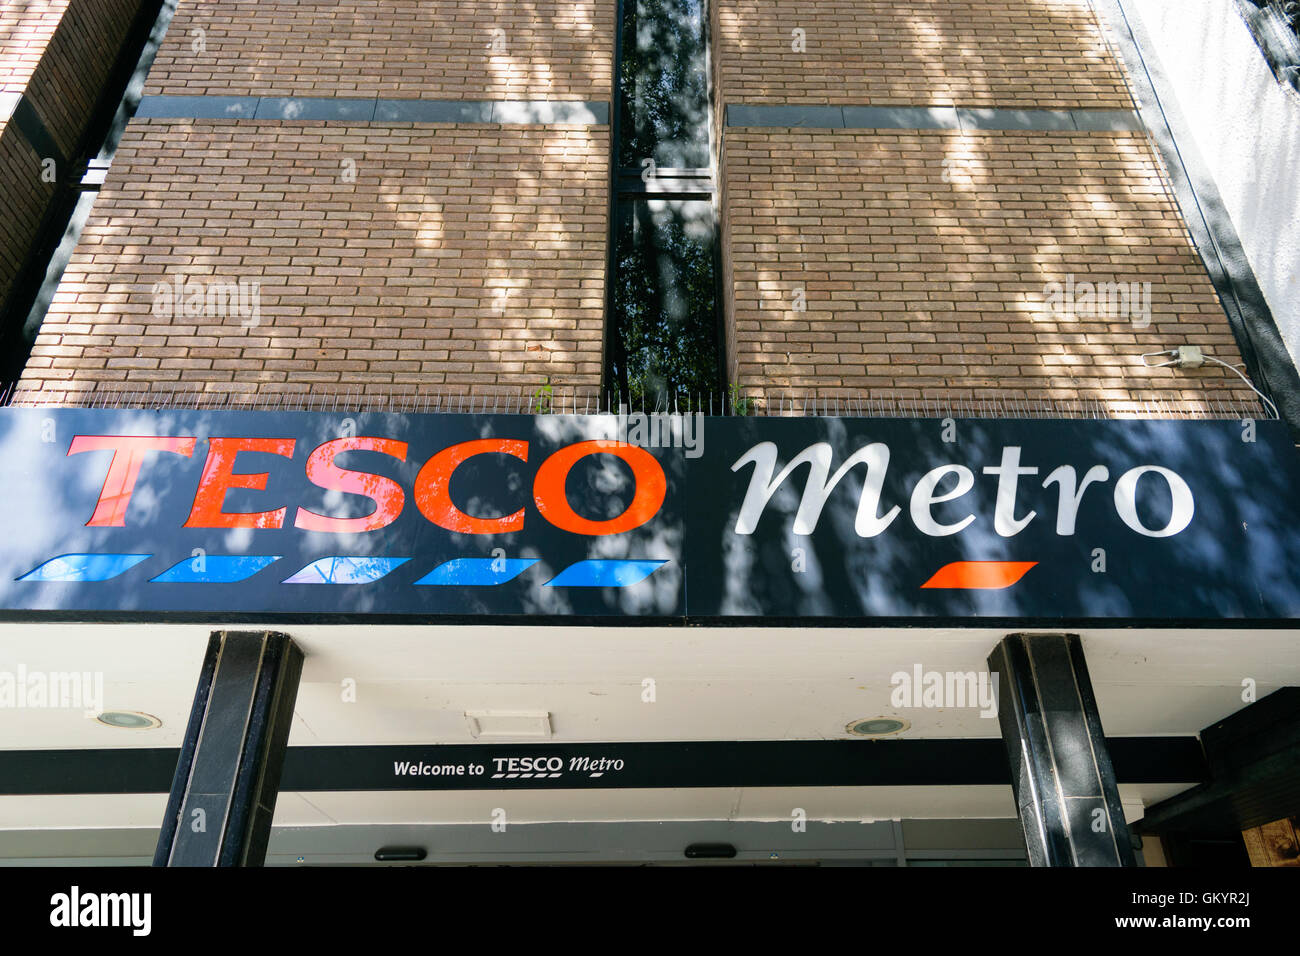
416, 684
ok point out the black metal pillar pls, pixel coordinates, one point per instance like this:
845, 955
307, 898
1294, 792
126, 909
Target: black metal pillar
1061, 772
228, 775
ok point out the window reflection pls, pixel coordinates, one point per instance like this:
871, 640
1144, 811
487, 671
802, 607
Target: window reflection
664, 341
663, 84
665, 332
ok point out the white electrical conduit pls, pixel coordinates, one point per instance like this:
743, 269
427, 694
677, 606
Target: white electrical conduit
1177, 362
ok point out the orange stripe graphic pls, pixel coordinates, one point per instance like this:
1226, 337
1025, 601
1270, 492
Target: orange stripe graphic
979, 574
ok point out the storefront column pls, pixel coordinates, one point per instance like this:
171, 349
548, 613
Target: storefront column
223, 794
1061, 772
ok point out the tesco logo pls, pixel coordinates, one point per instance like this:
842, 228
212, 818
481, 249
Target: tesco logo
431, 491
529, 764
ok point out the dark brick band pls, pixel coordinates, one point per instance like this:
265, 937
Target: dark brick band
375, 110
933, 117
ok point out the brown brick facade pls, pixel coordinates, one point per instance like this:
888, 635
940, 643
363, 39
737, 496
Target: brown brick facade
25, 201
431, 49
973, 53
58, 54
66, 86
471, 258
926, 260
464, 258
25, 32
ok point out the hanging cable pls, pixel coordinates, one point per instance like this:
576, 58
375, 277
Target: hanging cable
1249, 384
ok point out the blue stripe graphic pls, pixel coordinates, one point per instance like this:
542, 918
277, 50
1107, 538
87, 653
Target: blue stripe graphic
84, 567
345, 569
342, 569
217, 569
604, 573
477, 571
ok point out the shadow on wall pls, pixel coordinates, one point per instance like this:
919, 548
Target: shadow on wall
900, 267
467, 258
1044, 53
434, 49
18, 19
966, 267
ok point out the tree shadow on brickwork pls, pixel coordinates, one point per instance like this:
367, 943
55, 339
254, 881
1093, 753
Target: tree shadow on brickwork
930, 53
979, 265
938, 274
579, 35
12, 17
434, 259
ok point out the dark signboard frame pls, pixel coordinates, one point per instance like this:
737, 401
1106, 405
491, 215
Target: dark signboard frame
624, 765
561, 519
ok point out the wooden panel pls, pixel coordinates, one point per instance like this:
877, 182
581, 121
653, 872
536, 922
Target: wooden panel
1274, 844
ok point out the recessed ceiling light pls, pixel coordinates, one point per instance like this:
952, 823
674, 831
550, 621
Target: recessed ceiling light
877, 727
128, 720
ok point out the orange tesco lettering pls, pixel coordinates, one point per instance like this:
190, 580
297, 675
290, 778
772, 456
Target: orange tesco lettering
431, 491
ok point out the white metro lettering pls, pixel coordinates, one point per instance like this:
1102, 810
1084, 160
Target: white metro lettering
765, 483
1182, 505
594, 764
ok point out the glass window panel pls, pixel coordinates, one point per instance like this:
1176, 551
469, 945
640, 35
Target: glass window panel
663, 84
664, 343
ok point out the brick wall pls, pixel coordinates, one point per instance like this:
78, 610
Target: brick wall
469, 258
432, 49
58, 54
26, 197
926, 259
974, 53
66, 86
25, 32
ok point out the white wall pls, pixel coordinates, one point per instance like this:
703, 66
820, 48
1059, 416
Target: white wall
1247, 128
